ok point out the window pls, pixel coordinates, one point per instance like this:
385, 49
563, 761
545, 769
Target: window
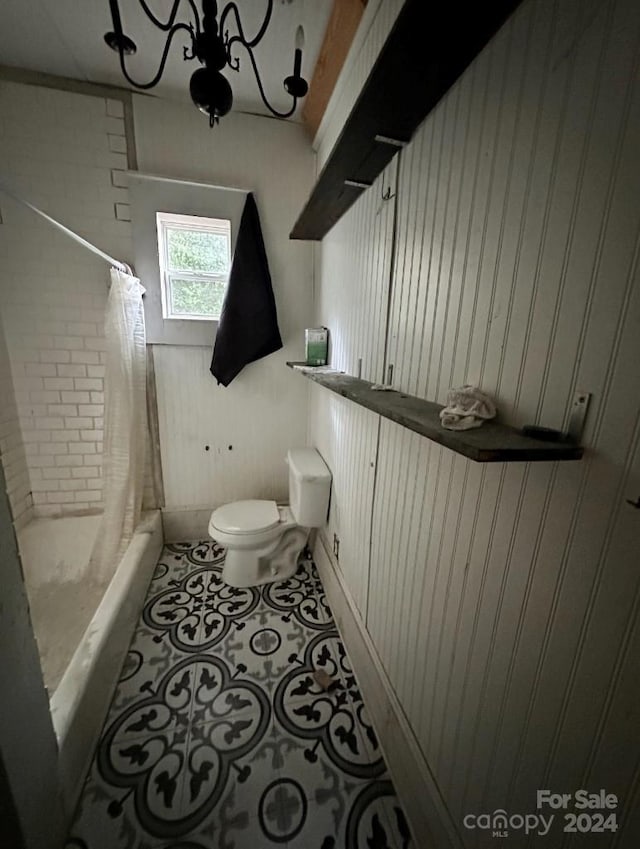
191, 205
195, 258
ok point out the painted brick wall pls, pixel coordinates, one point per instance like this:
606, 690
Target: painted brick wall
11, 445
66, 153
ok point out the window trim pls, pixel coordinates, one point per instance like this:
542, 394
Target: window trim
193, 223
149, 193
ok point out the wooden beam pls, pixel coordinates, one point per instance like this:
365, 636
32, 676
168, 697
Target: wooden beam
428, 48
341, 29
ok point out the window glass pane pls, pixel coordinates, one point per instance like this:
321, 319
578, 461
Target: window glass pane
195, 250
196, 297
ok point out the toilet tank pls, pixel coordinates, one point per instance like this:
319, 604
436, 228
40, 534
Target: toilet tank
309, 487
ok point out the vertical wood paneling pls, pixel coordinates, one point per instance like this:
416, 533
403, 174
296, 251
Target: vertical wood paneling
346, 436
214, 448
352, 301
503, 600
354, 281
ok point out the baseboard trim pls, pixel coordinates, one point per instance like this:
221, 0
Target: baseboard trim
430, 822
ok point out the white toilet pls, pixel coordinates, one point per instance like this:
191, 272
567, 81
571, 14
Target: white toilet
262, 539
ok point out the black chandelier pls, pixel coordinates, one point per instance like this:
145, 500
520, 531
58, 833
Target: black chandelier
214, 48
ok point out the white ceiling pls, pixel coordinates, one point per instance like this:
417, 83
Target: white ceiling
65, 37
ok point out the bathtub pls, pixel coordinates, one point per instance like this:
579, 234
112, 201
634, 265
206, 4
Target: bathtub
81, 669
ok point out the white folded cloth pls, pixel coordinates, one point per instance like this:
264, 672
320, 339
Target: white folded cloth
466, 407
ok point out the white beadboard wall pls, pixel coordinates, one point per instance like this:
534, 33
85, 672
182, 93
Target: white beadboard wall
66, 153
346, 436
219, 446
353, 291
264, 411
503, 599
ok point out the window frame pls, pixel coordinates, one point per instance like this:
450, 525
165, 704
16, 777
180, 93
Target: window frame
166, 221
150, 194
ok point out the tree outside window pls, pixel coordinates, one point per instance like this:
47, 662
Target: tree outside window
195, 259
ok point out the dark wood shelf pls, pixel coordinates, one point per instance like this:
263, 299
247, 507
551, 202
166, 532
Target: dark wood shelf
491, 443
427, 50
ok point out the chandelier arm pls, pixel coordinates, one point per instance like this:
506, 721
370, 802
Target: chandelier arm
167, 26
212, 46
144, 86
229, 45
231, 7
261, 90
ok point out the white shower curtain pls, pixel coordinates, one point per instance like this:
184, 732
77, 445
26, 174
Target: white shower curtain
125, 423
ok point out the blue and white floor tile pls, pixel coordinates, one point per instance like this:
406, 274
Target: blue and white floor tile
218, 734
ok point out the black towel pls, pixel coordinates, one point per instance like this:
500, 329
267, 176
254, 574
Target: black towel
248, 326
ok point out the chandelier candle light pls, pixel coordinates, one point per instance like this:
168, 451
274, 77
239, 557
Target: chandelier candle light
213, 46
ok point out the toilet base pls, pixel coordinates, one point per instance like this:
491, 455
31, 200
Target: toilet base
252, 568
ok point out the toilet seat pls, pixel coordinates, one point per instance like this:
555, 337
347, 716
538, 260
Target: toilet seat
246, 517
252, 539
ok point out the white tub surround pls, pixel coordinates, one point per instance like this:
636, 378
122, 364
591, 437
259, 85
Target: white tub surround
32, 813
80, 702
58, 581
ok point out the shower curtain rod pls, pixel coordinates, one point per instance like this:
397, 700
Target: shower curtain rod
157, 178
115, 262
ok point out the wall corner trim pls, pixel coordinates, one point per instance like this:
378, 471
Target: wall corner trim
430, 821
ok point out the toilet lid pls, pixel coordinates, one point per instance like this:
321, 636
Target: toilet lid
244, 517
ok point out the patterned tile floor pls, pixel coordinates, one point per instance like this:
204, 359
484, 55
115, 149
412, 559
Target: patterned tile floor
219, 736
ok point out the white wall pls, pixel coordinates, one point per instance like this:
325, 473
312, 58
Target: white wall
503, 600
54, 294
263, 411
66, 153
11, 446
